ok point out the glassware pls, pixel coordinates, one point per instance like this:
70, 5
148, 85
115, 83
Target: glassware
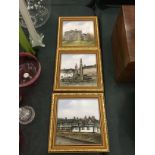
29, 69
39, 11
26, 115
29, 72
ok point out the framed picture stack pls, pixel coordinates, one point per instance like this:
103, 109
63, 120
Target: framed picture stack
78, 118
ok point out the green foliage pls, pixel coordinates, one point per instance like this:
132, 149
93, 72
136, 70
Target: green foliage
25, 44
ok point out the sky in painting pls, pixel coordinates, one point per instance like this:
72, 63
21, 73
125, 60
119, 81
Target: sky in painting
85, 26
78, 108
70, 60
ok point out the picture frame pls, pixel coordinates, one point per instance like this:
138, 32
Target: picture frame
78, 32
62, 134
78, 70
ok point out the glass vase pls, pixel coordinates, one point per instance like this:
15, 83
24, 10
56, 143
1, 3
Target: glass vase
39, 11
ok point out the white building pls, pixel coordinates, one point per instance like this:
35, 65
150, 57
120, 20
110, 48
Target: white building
66, 73
87, 124
86, 129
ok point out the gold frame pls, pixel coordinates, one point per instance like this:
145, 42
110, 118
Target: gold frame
104, 147
98, 88
79, 18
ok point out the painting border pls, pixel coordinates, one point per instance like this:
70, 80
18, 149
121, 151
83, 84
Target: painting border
79, 18
98, 88
104, 147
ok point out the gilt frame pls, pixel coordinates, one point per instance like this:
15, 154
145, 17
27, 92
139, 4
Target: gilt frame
79, 18
98, 88
52, 147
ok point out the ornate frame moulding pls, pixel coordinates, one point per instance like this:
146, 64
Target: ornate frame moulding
78, 19
53, 146
82, 87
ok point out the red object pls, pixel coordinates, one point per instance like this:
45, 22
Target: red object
29, 69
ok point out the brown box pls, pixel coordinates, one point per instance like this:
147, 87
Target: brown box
123, 44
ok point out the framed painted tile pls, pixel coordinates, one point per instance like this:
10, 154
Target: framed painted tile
78, 123
78, 32
78, 70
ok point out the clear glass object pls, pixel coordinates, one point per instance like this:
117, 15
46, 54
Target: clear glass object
39, 11
26, 115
